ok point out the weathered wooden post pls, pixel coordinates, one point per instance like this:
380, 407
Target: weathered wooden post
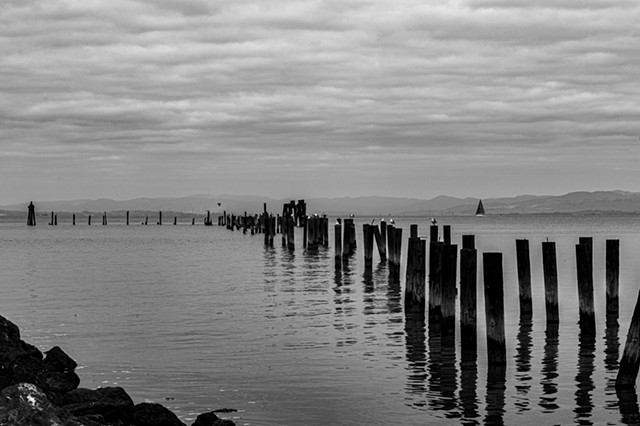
449, 260
390, 242
435, 277
494, 308
272, 230
55, 220
291, 245
127, 217
630, 361
51, 221
73, 220
193, 221
414, 297
584, 263
446, 234
337, 236
367, 236
550, 270
612, 276
89, 220
468, 296
305, 232
104, 219
31, 214
146, 220
346, 246
325, 221
524, 278
381, 241
175, 220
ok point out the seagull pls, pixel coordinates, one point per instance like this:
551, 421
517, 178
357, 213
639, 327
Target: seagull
391, 221
219, 204
433, 221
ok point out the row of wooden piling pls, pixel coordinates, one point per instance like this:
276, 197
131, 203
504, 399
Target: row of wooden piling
31, 219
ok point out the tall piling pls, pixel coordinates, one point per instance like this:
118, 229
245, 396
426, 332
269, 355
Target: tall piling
630, 361
550, 271
367, 236
612, 277
414, 297
584, 265
524, 278
449, 261
446, 234
337, 234
468, 297
494, 308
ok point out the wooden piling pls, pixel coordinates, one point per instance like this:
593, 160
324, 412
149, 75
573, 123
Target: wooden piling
449, 261
630, 361
381, 242
55, 220
305, 232
51, 221
494, 308
468, 296
435, 280
584, 264
446, 234
468, 242
550, 270
612, 276
89, 220
146, 220
414, 297
175, 220
193, 221
104, 219
367, 236
73, 220
524, 278
337, 233
127, 217
291, 245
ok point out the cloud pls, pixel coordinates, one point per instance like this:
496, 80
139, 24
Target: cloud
206, 84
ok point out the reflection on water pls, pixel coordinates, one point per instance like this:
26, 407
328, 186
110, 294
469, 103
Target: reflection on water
416, 358
523, 365
549, 383
496, 386
584, 380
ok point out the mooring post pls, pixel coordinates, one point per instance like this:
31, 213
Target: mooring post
449, 260
630, 361
584, 263
337, 237
414, 297
524, 278
468, 295
494, 308
367, 235
291, 244
612, 276
550, 270
446, 234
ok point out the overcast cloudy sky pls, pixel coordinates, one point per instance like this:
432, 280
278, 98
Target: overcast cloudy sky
306, 98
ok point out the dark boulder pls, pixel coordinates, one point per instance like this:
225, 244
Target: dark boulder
210, 419
25, 404
150, 414
111, 403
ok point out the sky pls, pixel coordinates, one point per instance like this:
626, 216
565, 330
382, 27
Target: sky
308, 98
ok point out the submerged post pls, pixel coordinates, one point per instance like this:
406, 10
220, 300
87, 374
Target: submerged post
31, 214
494, 308
550, 270
612, 275
584, 264
630, 361
524, 278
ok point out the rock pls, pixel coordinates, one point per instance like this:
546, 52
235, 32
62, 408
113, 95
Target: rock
150, 414
210, 419
57, 360
25, 404
111, 403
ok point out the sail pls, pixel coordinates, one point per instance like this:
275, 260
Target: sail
480, 209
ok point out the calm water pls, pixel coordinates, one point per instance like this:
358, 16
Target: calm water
199, 318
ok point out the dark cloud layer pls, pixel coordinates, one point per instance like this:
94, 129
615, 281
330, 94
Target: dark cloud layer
127, 98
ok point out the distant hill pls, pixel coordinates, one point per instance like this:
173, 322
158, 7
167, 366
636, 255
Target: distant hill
575, 202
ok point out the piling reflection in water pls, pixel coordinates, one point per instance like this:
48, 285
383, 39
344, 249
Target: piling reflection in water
468, 383
584, 380
628, 405
496, 386
550, 369
523, 364
416, 357
612, 353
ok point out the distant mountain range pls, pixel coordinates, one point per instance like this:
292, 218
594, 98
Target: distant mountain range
574, 202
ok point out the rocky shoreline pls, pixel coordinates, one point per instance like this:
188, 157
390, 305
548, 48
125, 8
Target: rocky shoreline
43, 389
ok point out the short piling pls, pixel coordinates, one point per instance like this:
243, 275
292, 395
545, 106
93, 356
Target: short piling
584, 264
550, 270
494, 308
524, 278
612, 276
630, 361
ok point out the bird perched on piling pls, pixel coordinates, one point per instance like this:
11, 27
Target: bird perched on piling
433, 221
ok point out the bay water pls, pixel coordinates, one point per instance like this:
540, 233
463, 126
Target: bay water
200, 318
